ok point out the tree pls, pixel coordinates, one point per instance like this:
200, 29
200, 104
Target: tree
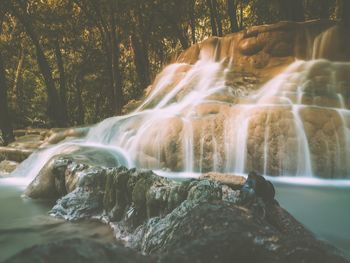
18, 98
232, 12
318, 9
215, 19
62, 80
140, 39
241, 15
192, 15
53, 102
5, 121
343, 11
291, 10
117, 99
324, 8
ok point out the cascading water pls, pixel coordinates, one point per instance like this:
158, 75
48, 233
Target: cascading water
199, 117
297, 124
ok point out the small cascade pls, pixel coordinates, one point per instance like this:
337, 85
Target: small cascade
304, 157
266, 143
188, 145
240, 146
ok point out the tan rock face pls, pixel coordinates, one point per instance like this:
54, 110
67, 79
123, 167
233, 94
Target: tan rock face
261, 46
241, 103
327, 141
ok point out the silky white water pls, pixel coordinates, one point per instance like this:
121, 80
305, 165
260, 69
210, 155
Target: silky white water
297, 124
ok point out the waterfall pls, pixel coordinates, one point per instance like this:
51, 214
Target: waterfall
195, 120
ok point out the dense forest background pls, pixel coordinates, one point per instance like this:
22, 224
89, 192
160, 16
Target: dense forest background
76, 62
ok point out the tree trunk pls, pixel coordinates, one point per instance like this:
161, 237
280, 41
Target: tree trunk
214, 29
232, 12
140, 46
291, 10
217, 17
343, 11
5, 122
324, 10
63, 88
193, 20
80, 113
183, 37
117, 92
141, 62
53, 104
17, 89
241, 15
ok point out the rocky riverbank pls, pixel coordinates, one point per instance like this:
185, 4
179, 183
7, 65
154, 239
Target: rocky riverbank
216, 218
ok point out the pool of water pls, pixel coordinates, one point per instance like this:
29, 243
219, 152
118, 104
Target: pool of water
325, 210
321, 205
25, 222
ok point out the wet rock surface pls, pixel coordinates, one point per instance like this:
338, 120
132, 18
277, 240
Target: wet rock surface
60, 175
218, 218
224, 232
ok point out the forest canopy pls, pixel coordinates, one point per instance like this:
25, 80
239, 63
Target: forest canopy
76, 62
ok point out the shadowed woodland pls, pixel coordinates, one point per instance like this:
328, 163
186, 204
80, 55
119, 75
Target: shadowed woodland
75, 62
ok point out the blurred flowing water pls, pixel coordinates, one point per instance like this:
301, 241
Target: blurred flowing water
297, 124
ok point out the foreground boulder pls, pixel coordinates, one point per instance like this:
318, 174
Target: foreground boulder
217, 218
53, 181
223, 232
